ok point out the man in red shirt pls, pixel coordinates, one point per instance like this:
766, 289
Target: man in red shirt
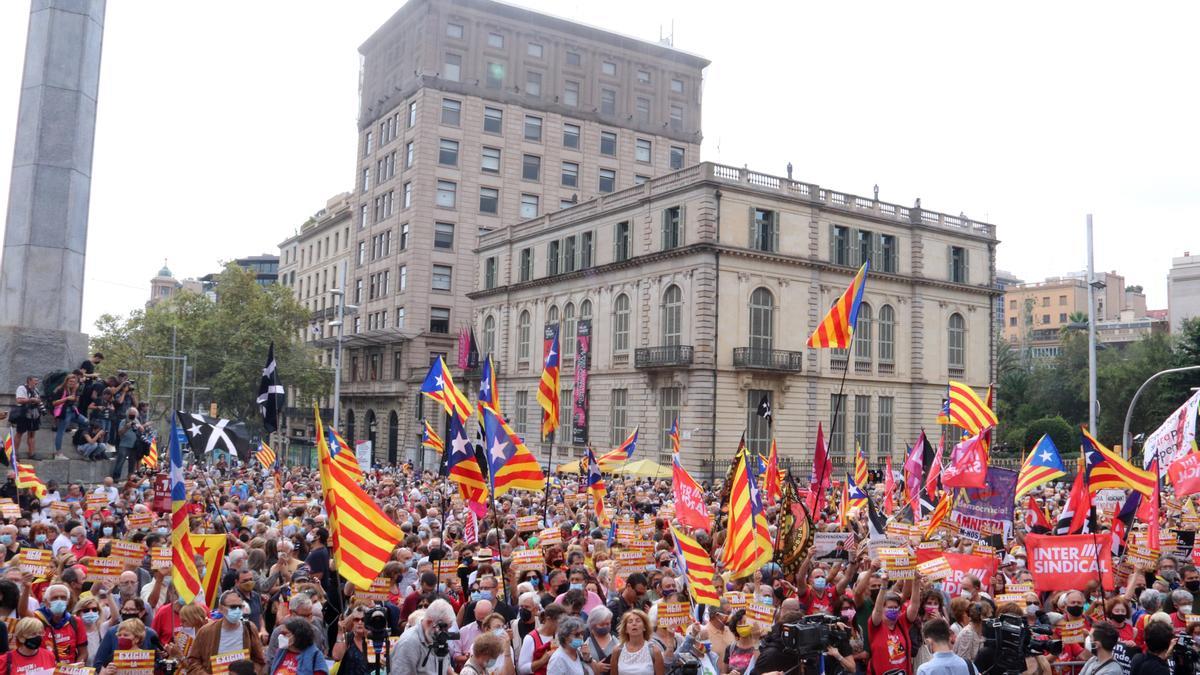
81, 546
817, 589
888, 634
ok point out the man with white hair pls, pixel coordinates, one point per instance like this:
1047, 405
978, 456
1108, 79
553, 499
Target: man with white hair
483, 608
413, 654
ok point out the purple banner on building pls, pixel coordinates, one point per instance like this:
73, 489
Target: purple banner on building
583, 361
987, 508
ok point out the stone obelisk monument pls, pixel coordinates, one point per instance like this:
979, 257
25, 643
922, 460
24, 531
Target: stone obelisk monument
41, 273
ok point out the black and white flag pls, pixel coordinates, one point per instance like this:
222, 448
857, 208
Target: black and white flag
764, 409
206, 434
270, 393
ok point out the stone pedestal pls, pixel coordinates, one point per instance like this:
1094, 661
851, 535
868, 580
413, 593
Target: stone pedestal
36, 351
67, 470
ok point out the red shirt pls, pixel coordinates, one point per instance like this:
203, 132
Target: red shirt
85, 550
41, 663
288, 665
67, 640
813, 602
890, 648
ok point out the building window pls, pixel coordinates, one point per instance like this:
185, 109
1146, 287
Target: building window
454, 30
404, 236
571, 93
362, 252
526, 272
676, 85
643, 110
533, 84
489, 200
1012, 321
495, 40
837, 433
764, 231
491, 160
676, 116
523, 336
677, 154
608, 68
621, 249
574, 59
568, 330
451, 112
862, 424
552, 316
608, 180
758, 431
397, 363
403, 285
552, 258
959, 265
439, 320
570, 136
408, 154
862, 338
399, 317
494, 75
533, 128
608, 102
366, 179
529, 206
1062, 317
441, 277
489, 335
569, 257
762, 322
608, 143
887, 335
522, 412
443, 235
362, 216
618, 416
956, 339
839, 245
446, 193
1045, 318
672, 316
672, 227
1062, 301
570, 174
493, 120
412, 114
452, 68
448, 152
367, 144
621, 323
585, 250
534, 49
670, 402
531, 167
888, 251
642, 150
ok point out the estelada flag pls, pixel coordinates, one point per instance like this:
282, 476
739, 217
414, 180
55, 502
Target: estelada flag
1184, 474
1069, 561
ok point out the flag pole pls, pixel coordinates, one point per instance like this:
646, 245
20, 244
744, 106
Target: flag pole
549, 456
837, 402
499, 537
1087, 477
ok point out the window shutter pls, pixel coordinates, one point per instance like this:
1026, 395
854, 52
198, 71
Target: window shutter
680, 238
949, 262
833, 244
752, 242
663, 244
854, 252
966, 265
877, 252
775, 231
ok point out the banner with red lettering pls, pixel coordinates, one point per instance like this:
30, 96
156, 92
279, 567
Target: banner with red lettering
968, 465
1059, 562
982, 567
690, 508
1185, 475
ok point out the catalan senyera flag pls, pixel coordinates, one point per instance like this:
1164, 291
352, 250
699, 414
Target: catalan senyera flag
860, 476
343, 455
616, 458
27, 479
184, 576
150, 459
835, 329
595, 487
967, 410
430, 439
265, 455
363, 537
1041, 466
511, 465
698, 568
675, 444
772, 479
212, 548
9, 454
547, 394
741, 547
1107, 469
844, 506
439, 386
940, 512
463, 470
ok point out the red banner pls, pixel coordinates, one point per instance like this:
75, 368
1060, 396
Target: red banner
1069, 561
690, 508
968, 465
1184, 474
982, 567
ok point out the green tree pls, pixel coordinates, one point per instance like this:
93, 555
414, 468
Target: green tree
225, 340
1065, 437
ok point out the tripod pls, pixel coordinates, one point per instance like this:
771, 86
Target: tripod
440, 650
381, 648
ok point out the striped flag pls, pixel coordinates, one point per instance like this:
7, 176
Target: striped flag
511, 465
9, 451
595, 487
762, 532
698, 568
439, 386
547, 394
674, 436
150, 459
741, 547
1041, 466
184, 575
343, 455
835, 329
889, 489
940, 512
363, 537
211, 547
462, 469
489, 395
265, 455
860, 476
1107, 469
27, 479
772, 479
967, 410
614, 459
430, 439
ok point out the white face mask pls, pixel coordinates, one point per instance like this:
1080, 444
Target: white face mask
284, 641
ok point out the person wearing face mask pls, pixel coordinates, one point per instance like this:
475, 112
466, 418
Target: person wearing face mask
601, 642
888, 631
1181, 599
539, 645
31, 655
131, 626
739, 656
297, 654
89, 611
1117, 611
229, 634
528, 609
10, 541
411, 655
486, 654
576, 580
352, 650
573, 654
815, 591
1102, 641
64, 632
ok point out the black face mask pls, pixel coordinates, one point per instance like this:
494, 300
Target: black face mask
126, 617
562, 588
1193, 585
525, 615
1075, 610
33, 643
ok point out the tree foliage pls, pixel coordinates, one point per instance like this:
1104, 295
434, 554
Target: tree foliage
225, 340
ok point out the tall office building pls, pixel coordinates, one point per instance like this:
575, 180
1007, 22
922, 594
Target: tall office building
1183, 290
475, 115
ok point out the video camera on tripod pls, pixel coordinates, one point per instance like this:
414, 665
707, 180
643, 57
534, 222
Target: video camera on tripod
1012, 639
814, 634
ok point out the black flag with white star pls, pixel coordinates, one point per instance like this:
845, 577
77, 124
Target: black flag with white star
270, 393
764, 409
206, 434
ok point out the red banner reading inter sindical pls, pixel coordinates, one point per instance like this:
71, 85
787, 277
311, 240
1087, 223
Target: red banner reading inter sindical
1069, 561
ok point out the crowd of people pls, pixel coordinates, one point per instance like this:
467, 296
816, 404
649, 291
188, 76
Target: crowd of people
450, 600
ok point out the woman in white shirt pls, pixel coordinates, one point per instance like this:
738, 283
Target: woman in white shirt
572, 656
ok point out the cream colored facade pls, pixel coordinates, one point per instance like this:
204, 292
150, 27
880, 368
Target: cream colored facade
475, 115
703, 322
1036, 313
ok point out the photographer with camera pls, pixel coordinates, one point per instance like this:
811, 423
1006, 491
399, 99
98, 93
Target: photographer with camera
131, 429
425, 648
26, 415
1160, 641
66, 413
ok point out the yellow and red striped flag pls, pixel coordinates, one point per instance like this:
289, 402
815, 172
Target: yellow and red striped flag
940, 512
547, 394
265, 455
616, 458
511, 465
8, 449
835, 329
363, 537
698, 568
461, 466
431, 440
439, 386
184, 575
772, 479
150, 459
1041, 466
967, 410
27, 479
596, 488
860, 475
1107, 469
212, 548
343, 455
741, 545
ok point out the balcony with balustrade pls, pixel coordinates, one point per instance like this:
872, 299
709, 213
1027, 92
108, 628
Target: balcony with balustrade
777, 360
667, 356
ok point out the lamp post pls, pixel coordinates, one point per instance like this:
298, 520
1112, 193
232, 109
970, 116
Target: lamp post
339, 294
1126, 441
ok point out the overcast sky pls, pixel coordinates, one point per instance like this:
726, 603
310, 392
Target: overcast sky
223, 126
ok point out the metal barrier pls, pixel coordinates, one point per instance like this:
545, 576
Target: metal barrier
1067, 667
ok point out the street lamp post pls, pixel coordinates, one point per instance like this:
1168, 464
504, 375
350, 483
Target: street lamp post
340, 294
1127, 442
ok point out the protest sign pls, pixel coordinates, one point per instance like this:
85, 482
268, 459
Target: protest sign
59, 509
162, 494
898, 563
377, 592
1069, 561
219, 663
183, 641
934, 569
979, 566
827, 542
762, 616
445, 569
736, 600
674, 614
988, 509
134, 661
551, 536
36, 562
95, 501
1107, 501
104, 570
1016, 598
1020, 587
524, 561
1073, 631
160, 558
1173, 438
9, 510
140, 521
127, 551
528, 523
71, 669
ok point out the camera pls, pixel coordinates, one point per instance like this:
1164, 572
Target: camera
814, 634
685, 664
168, 666
1184, 654
441, 640
1012, 639
375, 619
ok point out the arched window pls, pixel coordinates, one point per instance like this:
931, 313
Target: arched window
862, 334
672, 316
887, 334
489, 335
585, 309
566, 337
350, 425
393, 437
523, 336
552, 315
762, 322
621, 323
956, 342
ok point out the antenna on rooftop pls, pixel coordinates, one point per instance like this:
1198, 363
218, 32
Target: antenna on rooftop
669, 39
